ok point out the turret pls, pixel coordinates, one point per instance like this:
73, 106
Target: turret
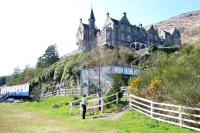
91, 20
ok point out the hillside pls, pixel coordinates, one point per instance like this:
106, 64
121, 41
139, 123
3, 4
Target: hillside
187, 23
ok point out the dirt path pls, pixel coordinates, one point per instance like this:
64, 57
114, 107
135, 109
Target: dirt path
15, 120
112, 116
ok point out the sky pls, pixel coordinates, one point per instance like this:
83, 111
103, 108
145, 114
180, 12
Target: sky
28, 27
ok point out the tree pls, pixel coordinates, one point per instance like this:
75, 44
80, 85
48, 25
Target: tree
27, 74
2, 81
49, 57
15, 77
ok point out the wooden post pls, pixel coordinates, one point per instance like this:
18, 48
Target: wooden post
151, 109
71, 91
129, 101
57, 93
94, 102
117, 99
71, 106
102, 105
180, 116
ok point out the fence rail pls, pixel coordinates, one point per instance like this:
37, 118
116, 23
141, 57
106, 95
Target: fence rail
95, 103
60, 92
187, 117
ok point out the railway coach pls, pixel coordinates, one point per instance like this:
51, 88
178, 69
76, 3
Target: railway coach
15, 92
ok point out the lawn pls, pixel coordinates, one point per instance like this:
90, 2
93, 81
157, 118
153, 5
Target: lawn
41, 117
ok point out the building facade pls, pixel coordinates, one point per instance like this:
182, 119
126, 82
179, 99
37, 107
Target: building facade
121, 33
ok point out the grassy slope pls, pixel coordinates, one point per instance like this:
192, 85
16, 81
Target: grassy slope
131, 121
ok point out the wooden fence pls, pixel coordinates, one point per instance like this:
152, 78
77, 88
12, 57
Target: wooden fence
60, 92
178, 115
95, 103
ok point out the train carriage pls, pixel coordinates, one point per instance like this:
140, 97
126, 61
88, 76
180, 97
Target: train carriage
15, 92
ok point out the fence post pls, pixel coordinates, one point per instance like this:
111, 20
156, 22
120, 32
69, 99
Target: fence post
57, 92
117, 100
71, 108
102, 105
63, 92
180, 116
72, 91
151, 109
129, 101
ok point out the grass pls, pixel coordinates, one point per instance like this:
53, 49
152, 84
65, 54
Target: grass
46, 106
41, 117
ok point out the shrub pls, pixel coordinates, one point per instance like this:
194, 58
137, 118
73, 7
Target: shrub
179, 74
154, 85
134, 86
187, 49
118, 82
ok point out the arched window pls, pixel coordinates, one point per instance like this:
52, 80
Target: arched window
143, 46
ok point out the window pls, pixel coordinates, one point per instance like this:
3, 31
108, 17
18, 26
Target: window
129, 29
108, 35
122, 36
122, 27
129, 38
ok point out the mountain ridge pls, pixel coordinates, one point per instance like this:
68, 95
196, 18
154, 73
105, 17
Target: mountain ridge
188, 23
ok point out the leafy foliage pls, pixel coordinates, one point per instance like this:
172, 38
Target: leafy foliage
178, 80
154, 85
134, 86
22, 76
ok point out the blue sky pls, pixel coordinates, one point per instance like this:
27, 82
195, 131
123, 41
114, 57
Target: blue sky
145, 11
28, 27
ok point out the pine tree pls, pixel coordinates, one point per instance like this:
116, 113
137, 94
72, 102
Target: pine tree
49, 57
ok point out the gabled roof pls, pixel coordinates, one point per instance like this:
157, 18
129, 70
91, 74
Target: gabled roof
85, 26
114, 21
124, 19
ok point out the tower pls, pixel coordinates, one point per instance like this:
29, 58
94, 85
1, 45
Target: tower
91, 20
92, 31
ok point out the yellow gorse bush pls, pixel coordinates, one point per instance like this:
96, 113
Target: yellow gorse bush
154, 85
134, 84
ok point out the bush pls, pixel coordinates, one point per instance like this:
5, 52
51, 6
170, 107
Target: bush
134, 86
154, 85
186, 50
179, 74
118, 82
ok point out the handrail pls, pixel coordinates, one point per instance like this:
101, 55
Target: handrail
59, 92
103, 103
